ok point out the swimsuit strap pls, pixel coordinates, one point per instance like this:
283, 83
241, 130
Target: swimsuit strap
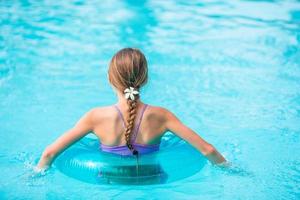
136, 128
135, 133
120, 115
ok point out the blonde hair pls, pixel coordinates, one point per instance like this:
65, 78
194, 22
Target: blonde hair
128, 68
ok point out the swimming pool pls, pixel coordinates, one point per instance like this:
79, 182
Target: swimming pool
229, 70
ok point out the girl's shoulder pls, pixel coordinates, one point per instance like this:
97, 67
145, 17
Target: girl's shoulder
163, 113
159, 111
98, 114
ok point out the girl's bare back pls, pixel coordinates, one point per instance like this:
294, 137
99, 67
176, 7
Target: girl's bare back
108, 126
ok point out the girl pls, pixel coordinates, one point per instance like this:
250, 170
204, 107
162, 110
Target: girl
130, 127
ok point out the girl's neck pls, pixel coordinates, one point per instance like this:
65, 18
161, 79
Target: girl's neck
122, 102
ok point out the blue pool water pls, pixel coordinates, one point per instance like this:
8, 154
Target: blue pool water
230, 70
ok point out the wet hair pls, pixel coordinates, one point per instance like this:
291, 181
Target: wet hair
128, 68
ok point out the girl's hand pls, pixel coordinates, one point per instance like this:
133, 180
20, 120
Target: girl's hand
38, 170
225, 164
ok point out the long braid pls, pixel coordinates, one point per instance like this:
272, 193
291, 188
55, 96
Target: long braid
129, 129
130, 124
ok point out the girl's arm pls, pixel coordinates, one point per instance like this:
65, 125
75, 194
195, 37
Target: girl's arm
176, 126
81, 128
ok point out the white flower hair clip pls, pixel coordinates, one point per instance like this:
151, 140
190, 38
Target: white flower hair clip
130, 92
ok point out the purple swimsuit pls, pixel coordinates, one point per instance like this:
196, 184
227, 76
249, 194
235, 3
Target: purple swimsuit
123, 149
